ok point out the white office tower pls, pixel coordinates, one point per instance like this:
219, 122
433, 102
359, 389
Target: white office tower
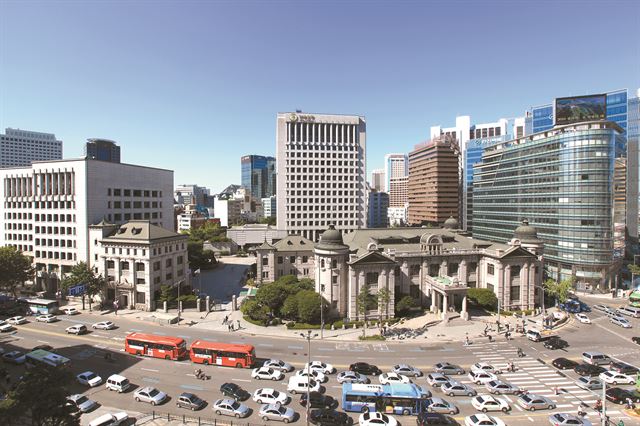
321, 173
395, 166
377, 180
49, 206
22, 147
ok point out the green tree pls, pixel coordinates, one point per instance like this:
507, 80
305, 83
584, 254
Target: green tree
484, 297
82, 274
289, 309
268, 221
208, 232
404, 305
15, 269
309, 306
255, 310
365, 301
166, 294
559, 290
40, 399
384, 297
272, 295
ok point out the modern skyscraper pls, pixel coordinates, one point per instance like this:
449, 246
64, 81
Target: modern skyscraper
395, 166
378, 205
49, 206
103, 150
633, 153
564, 182
199, 196
259, 175
377, 180
434, 181
321, 173
22, 147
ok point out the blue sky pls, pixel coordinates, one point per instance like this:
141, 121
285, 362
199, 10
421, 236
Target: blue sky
194, 85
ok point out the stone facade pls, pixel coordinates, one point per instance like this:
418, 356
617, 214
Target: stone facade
292, 255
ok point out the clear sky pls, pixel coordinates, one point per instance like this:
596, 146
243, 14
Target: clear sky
194, 85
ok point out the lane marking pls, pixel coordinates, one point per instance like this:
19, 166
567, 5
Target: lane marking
150, 369
192, 387
241, 380
295, 347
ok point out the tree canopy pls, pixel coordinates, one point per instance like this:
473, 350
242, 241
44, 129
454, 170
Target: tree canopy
559, 290
288, 298
82, 274
484, 297
15, 269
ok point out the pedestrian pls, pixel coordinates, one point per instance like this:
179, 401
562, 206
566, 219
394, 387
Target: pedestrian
555, 390
232, 328
229, 327
238, 324
490, 338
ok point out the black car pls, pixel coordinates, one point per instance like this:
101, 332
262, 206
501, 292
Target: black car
589, 370
329, 418
564, 364
556, 343
364, 368
623, 367
318, 400
234, 391
636, 340
620, 396
425, 419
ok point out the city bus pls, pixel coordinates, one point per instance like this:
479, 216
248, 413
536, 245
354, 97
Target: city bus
406, 399
223, 354
42, 357
634, 299
166, 347
41, 306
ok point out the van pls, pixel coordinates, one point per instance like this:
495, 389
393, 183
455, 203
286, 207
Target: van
630, 310
596, 358
298, 384
118, 383
534, 335
110, 419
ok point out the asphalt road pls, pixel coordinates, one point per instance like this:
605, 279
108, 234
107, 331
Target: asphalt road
534, 372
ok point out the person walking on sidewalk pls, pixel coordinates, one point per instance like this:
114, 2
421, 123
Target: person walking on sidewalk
238, 324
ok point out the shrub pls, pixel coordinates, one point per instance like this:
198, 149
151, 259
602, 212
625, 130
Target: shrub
302, 326
483, 297
373, 337
405, 304
252, 321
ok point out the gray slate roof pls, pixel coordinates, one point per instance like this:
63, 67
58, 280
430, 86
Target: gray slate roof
142, 231
294, 243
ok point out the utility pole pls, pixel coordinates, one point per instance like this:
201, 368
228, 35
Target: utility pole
308, 336
603, 416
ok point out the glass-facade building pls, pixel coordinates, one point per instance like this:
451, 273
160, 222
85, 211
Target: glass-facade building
258, 174
566, 182
103, 150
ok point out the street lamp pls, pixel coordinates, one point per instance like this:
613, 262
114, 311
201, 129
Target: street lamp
308, 336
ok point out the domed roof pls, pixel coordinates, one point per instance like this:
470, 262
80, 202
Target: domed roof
450, 223
331, 239
526, 233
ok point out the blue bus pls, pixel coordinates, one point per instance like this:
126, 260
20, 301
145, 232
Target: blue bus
41, 306
406, 399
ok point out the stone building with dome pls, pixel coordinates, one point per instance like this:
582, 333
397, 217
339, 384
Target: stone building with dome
436, 266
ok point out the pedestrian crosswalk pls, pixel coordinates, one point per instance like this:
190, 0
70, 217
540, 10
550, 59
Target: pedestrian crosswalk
535, 376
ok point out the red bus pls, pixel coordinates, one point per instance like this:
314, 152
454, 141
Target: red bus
224, 354
166, 347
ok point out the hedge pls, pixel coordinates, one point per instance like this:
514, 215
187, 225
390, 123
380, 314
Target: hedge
255, 322
373, 337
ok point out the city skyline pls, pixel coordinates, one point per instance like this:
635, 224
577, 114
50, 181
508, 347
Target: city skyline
141, 87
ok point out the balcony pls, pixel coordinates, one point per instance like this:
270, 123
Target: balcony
445, 284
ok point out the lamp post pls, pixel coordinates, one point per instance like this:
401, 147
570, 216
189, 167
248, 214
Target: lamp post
308, 336
603, 417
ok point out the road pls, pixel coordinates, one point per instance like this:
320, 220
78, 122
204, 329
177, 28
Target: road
534, 372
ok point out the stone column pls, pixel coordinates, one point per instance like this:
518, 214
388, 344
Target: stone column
434, 307
463, 313
405, 279
463, 276
443, 268
445, 307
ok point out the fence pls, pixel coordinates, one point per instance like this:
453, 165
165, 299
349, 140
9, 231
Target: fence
158, 418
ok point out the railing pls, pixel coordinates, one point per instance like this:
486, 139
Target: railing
190, 419
442, 286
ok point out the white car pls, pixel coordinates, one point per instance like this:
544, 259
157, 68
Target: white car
376, 419
110, 419
46, 318
315, 375
482, 420
5, 326
480, 377
104, 325
613, 378
351, 377
622, 322
17, 320
270, 396
278, 364
583, 318
300, 384
407, 370
266, 373
320, 366
71, 311
486, 403
89, 378
76, 329
483, 366
391, 378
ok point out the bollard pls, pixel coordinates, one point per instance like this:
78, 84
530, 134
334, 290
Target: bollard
208, 304
198, 305
164, 306
234, 303
180, 306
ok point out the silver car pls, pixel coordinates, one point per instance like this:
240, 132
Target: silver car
439, 405
437, 379
532, 402
278, 364
499, 387
565, 419
448, 368
83, 403
229, 407
352, 377
276, 412
407, 370
149, 394
458, 389
589, 383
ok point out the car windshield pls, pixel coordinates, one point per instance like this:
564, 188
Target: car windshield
82, 400
275, 393
235, 405
154, 392
282, 410
90, 376
526, 398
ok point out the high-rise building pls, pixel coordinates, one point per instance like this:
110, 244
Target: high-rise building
378, 206
567, 182
434, 181
633, 153
22, 147
269, 206
377, 180
102, 149
187, 194
49, 206
259, 175
395, 166
321, 173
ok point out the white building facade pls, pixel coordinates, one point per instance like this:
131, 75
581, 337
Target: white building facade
22, 147
48, 207
321, 173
